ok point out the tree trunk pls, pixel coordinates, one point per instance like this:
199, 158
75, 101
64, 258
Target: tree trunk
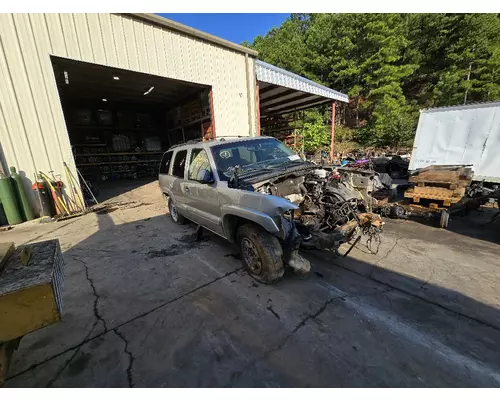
468, 79
357, 111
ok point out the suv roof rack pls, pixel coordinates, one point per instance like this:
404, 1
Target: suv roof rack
193, 141
222, 139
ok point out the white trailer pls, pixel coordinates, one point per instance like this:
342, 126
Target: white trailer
460, 135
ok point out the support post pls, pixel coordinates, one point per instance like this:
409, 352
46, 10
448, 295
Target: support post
212, 114
257, 107
332, 137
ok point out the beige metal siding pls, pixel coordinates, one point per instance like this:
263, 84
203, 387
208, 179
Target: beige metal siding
33, 134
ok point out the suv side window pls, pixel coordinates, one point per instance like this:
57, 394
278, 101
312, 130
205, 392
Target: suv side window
165, 162
179, 164
198, 164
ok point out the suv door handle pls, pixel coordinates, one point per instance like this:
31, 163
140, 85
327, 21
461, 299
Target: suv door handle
186, 189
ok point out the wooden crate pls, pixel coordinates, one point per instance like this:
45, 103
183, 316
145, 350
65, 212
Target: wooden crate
459, 176
6, 250
441, 183
31, 295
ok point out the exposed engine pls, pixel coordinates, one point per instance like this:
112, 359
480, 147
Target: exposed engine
331, 211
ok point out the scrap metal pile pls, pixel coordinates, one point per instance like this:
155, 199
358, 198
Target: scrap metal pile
333, 205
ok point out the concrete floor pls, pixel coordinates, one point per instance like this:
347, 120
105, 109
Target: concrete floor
147, 305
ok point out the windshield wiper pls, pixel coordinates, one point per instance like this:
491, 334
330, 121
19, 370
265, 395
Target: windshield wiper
284, 166
258, 166
256, 169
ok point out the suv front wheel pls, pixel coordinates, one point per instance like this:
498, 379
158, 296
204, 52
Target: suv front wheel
261, 253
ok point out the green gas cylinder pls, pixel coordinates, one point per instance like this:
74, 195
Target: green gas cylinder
3, 217
9, 202
24, 202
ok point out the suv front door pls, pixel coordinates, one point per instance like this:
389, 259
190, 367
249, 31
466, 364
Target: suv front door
202, 199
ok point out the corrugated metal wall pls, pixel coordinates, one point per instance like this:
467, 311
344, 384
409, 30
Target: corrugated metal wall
33, 134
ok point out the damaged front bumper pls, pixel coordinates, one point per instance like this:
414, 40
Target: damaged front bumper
296, 235
300, 235
292, 241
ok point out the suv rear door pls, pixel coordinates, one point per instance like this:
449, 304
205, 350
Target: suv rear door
176, 182
164, 178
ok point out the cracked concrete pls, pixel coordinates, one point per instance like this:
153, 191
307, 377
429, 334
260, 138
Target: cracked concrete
147, 305
97, 315
130, 358
339, 296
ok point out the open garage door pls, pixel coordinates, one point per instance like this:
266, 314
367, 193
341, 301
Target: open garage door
120, 122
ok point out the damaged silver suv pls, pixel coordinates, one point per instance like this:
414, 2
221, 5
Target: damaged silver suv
258, 193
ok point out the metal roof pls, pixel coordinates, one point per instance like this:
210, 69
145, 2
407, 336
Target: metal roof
463, 106
277, 76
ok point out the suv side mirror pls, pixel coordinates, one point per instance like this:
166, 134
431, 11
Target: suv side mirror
206, 176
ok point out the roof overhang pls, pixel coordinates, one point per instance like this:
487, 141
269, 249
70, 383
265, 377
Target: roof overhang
282, 91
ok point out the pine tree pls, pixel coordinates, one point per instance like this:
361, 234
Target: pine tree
467, 74
391, 65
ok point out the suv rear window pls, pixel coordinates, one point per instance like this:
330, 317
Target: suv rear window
179, 164
165, 163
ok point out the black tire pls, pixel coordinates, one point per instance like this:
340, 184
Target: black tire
397, 212
261, 253
175, 216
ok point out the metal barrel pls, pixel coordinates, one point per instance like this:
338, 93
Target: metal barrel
45, 198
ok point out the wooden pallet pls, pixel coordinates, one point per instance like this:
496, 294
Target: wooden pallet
446, 195
441, 183
459, 176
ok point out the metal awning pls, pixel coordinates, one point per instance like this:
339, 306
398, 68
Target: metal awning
282, 91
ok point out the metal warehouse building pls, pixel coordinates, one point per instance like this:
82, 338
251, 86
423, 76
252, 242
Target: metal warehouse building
109, 93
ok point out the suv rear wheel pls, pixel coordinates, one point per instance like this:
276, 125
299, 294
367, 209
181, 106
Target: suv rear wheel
172, 210
261, 253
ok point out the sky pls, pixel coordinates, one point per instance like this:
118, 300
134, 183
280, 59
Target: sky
233, 27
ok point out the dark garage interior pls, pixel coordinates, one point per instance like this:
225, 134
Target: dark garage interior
120, 122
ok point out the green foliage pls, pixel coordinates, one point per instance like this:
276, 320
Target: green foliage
316, 129
344, 134
391, 66
316, 132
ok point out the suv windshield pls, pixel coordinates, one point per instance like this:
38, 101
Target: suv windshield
250, 156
